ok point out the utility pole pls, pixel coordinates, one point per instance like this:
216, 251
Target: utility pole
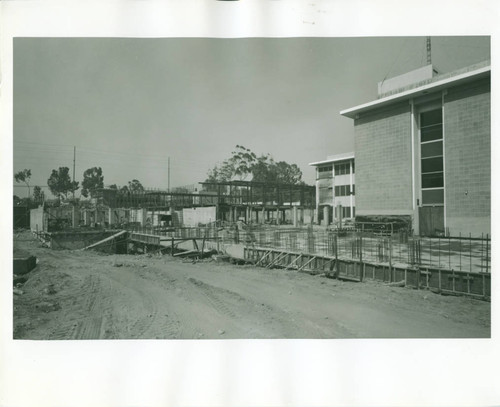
168, 185
74, 160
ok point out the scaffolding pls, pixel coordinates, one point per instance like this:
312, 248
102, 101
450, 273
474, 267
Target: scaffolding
252, 202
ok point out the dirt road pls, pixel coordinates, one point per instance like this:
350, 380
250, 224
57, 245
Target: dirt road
87, 295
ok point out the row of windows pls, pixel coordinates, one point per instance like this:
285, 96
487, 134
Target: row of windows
340, 169
345, 168
431, 157
343, 190
346, 212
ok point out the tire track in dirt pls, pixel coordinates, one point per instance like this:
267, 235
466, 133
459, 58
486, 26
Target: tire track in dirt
75, 326
91, 327
209, 291
146, 298
142, 325
267, 312
89, 321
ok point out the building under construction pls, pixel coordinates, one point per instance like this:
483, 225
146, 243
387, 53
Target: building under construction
251, 202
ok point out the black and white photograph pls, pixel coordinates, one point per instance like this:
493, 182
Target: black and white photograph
216, 209
200, 188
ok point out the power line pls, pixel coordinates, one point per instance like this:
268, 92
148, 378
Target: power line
108, 153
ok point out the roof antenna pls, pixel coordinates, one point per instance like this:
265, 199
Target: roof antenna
429, 55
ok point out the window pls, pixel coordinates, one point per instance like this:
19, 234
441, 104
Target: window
325, 169
341, 169
342, 190
431, 157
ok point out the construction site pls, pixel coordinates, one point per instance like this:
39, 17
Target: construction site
242, 261
392, 241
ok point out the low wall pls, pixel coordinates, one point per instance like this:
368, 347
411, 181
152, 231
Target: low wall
77, 240
24, 265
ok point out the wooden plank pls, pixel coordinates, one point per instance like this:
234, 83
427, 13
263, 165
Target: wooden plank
308, 262
294, 261
279, 257
186, 253
108, 239
264, 256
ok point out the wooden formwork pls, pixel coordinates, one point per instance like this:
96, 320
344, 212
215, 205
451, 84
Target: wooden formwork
310, 263
443, 281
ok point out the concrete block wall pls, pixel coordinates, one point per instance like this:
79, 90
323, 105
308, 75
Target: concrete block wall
383, 161
467, 127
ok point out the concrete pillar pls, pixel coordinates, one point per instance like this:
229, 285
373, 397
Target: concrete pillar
295, 216
263, 218
326, 215
110, 216
144, 213
339, 215
75, 217
316, 216
86, 217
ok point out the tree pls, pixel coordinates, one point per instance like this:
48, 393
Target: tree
265, 170
244, 163
288, 173
135, 186
38, 195
113, 186
24, 176
92, 180
60, 182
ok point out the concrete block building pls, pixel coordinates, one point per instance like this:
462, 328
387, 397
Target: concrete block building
335, 188
423, 151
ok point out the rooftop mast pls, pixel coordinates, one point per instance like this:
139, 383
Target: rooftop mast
429, 56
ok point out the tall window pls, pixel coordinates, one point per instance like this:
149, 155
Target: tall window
342, 169
431, 155
342, 190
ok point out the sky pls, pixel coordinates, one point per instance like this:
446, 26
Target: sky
128, 104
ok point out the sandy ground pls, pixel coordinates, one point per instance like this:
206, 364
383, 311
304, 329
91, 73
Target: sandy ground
88, 295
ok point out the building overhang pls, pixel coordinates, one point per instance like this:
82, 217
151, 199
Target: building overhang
436, 86
334, 158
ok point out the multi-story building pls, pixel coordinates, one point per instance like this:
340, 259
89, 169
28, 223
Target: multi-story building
423, 151
335, 188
